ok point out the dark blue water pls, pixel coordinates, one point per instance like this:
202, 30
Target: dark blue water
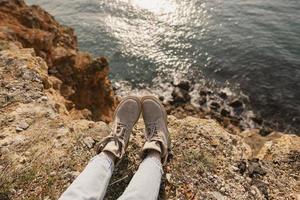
254, 45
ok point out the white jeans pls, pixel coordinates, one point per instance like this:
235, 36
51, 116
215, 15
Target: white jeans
92, 183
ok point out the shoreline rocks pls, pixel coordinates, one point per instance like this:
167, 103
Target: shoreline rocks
222, 104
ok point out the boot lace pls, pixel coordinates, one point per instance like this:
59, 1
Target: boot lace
117, 136
120, 130
151, 130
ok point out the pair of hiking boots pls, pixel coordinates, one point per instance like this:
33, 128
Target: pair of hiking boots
126, 115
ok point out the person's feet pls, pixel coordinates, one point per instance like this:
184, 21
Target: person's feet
126, 115
157, 134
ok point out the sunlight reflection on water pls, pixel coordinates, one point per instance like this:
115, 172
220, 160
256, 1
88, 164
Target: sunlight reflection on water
141, 37
158, 7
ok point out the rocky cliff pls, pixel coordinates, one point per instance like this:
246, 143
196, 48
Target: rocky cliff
84, 83
53, 104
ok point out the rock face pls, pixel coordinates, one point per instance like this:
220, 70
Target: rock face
39, 136
83, 79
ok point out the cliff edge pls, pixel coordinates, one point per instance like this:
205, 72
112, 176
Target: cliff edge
43, 148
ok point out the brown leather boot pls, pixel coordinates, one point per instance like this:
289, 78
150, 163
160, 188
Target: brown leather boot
126, 115
157, 134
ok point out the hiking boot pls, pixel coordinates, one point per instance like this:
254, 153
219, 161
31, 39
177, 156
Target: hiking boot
126, 115
156, 133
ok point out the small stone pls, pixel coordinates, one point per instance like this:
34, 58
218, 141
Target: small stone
18, 129
234, 168
248, 179
205, 92
225, 112
210, 177
222, 189
202, 100
264, 131
22, 126
168, 177
255, 169
53, 173
10, 119
89, 142
218, 195
46, 198
189, 107
181, 96
225, 93
236, 103
214, 143
257, 120
44, 98
27, 76
58, 136
242, 165
22, 160
13, 191
184, 84
161, 98
215, 105
72, 175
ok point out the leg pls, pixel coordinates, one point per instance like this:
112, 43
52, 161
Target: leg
145, 183
91, 184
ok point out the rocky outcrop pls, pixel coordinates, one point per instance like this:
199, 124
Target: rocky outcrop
37, 131
43, 148
84, 81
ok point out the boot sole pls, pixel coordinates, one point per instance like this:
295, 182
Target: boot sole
132, 98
